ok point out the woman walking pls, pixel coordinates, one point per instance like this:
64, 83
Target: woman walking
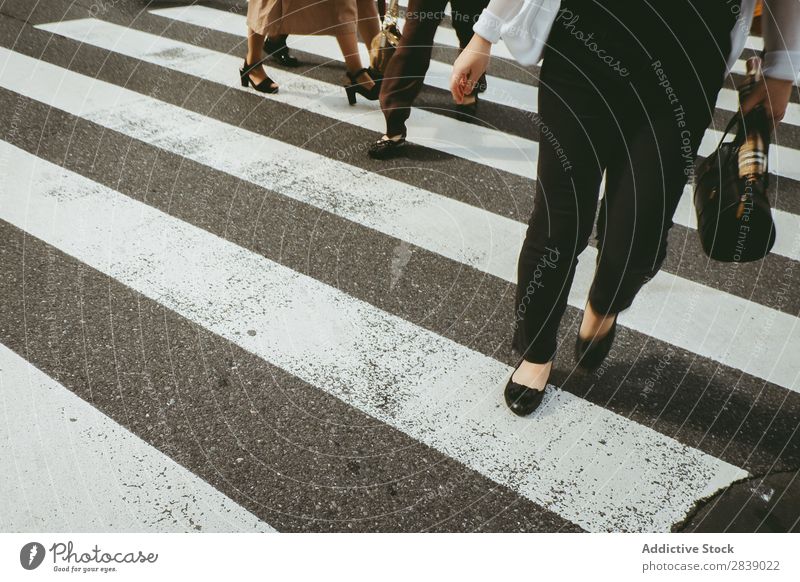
339, 18
626, 88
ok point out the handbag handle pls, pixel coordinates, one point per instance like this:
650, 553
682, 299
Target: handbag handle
741, 120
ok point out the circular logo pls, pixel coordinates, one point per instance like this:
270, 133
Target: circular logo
31, 555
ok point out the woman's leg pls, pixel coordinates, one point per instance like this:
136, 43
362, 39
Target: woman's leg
368, 26
348, 43
573, 141
643, 189
642, 194
646, 180
255, 53
369, 23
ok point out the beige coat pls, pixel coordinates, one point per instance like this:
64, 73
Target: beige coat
277, 17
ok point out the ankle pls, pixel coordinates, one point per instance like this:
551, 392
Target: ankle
595, 324
532, 375
360, 76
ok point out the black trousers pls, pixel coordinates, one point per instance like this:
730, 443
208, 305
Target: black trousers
628, 92
405, 75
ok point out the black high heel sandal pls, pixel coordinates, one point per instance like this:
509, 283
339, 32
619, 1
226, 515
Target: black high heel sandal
590, 354
356, 87
265, 86
522, 400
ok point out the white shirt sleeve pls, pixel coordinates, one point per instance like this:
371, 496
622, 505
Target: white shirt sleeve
495, 17
780, 24
524, 26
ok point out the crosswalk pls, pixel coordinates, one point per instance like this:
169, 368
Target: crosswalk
486, 146
408, 341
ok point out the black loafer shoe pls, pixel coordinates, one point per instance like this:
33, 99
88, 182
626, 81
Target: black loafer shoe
385, 148
279, 53
522, 400
285, 59
589, 354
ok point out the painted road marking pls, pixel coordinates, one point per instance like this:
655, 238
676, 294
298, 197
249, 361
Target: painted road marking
582, 461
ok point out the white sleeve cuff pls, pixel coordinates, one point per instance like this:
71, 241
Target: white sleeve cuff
782, 65
488, 26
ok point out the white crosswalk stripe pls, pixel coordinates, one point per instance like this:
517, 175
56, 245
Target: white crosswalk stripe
585, 463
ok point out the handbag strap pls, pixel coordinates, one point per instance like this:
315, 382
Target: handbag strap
740, 120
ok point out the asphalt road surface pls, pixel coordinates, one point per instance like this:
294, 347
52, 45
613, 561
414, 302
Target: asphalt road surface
219, 315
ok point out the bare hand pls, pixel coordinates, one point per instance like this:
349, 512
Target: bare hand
469, 66
772, 94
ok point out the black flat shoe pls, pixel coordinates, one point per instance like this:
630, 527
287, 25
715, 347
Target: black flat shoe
522, 400
385, 148
279, 52
466, 112
589, 354
265, 86
358, 88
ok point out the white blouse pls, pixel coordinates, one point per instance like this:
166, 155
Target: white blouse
525, 24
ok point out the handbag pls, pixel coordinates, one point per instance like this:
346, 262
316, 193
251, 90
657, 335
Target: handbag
385, 42
734, 218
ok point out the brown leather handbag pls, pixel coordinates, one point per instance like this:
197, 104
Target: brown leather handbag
385, 42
